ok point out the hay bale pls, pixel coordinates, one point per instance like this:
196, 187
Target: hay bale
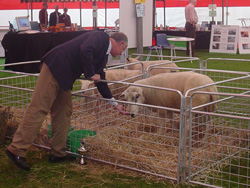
4, 116
136, 144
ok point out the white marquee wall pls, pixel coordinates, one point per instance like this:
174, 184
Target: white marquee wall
175, 17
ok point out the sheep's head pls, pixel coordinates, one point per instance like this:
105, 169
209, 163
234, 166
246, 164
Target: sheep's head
135, 95
86, 84
132, 60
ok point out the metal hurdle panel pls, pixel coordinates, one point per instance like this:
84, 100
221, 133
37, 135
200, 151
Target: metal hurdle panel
113, 130
164, 57
219, 157
16, 89
204, 64
135, 142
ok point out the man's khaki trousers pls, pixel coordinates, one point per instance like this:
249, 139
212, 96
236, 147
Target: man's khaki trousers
47, 96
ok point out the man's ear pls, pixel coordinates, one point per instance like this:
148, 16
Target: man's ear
121, 43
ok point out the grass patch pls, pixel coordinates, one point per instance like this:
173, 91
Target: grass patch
68, 175
236, 174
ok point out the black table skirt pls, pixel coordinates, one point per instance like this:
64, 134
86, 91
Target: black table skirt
32, 47
202, 40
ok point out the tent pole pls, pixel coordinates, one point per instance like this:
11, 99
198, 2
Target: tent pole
227, 12
80, 5
31, 8
222, 12
153, 16
28, 12
94, 14
212, 16
164, 3
105, 13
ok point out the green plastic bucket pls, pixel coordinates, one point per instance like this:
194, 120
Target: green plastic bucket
75, 137
49, 130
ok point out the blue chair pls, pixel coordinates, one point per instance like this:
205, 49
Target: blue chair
157, 49
161, 43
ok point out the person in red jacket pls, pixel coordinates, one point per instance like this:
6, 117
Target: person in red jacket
88, 54
43, 16
65, 18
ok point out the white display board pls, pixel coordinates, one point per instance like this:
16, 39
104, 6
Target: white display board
127, 16
244, 40
224, 39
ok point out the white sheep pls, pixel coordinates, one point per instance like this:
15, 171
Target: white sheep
181, 81
113, 75
116, 89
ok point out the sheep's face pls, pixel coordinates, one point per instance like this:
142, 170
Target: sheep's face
85, 84
134, 95
132, 60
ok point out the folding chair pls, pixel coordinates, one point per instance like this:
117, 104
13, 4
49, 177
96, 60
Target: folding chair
157, 49
163, 43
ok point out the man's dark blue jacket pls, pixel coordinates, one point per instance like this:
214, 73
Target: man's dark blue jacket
83, 54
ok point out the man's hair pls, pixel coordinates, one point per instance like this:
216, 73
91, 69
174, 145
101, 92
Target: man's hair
119, 36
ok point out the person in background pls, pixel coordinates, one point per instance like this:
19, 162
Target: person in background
65, 18
88, 54
54, 17
43, 16
191, 21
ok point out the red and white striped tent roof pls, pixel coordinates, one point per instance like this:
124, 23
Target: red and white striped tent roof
21, 4
53, 1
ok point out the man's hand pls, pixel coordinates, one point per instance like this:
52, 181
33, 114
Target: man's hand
96, 78
121, 109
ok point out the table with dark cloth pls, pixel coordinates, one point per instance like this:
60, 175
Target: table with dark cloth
202, 40
32, 47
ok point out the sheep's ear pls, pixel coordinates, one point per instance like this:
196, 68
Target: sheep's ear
139, 91
140, 94
122, 95
91, 85
137, 57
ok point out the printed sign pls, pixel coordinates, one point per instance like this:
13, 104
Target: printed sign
140, 1
224, 39
244, 40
